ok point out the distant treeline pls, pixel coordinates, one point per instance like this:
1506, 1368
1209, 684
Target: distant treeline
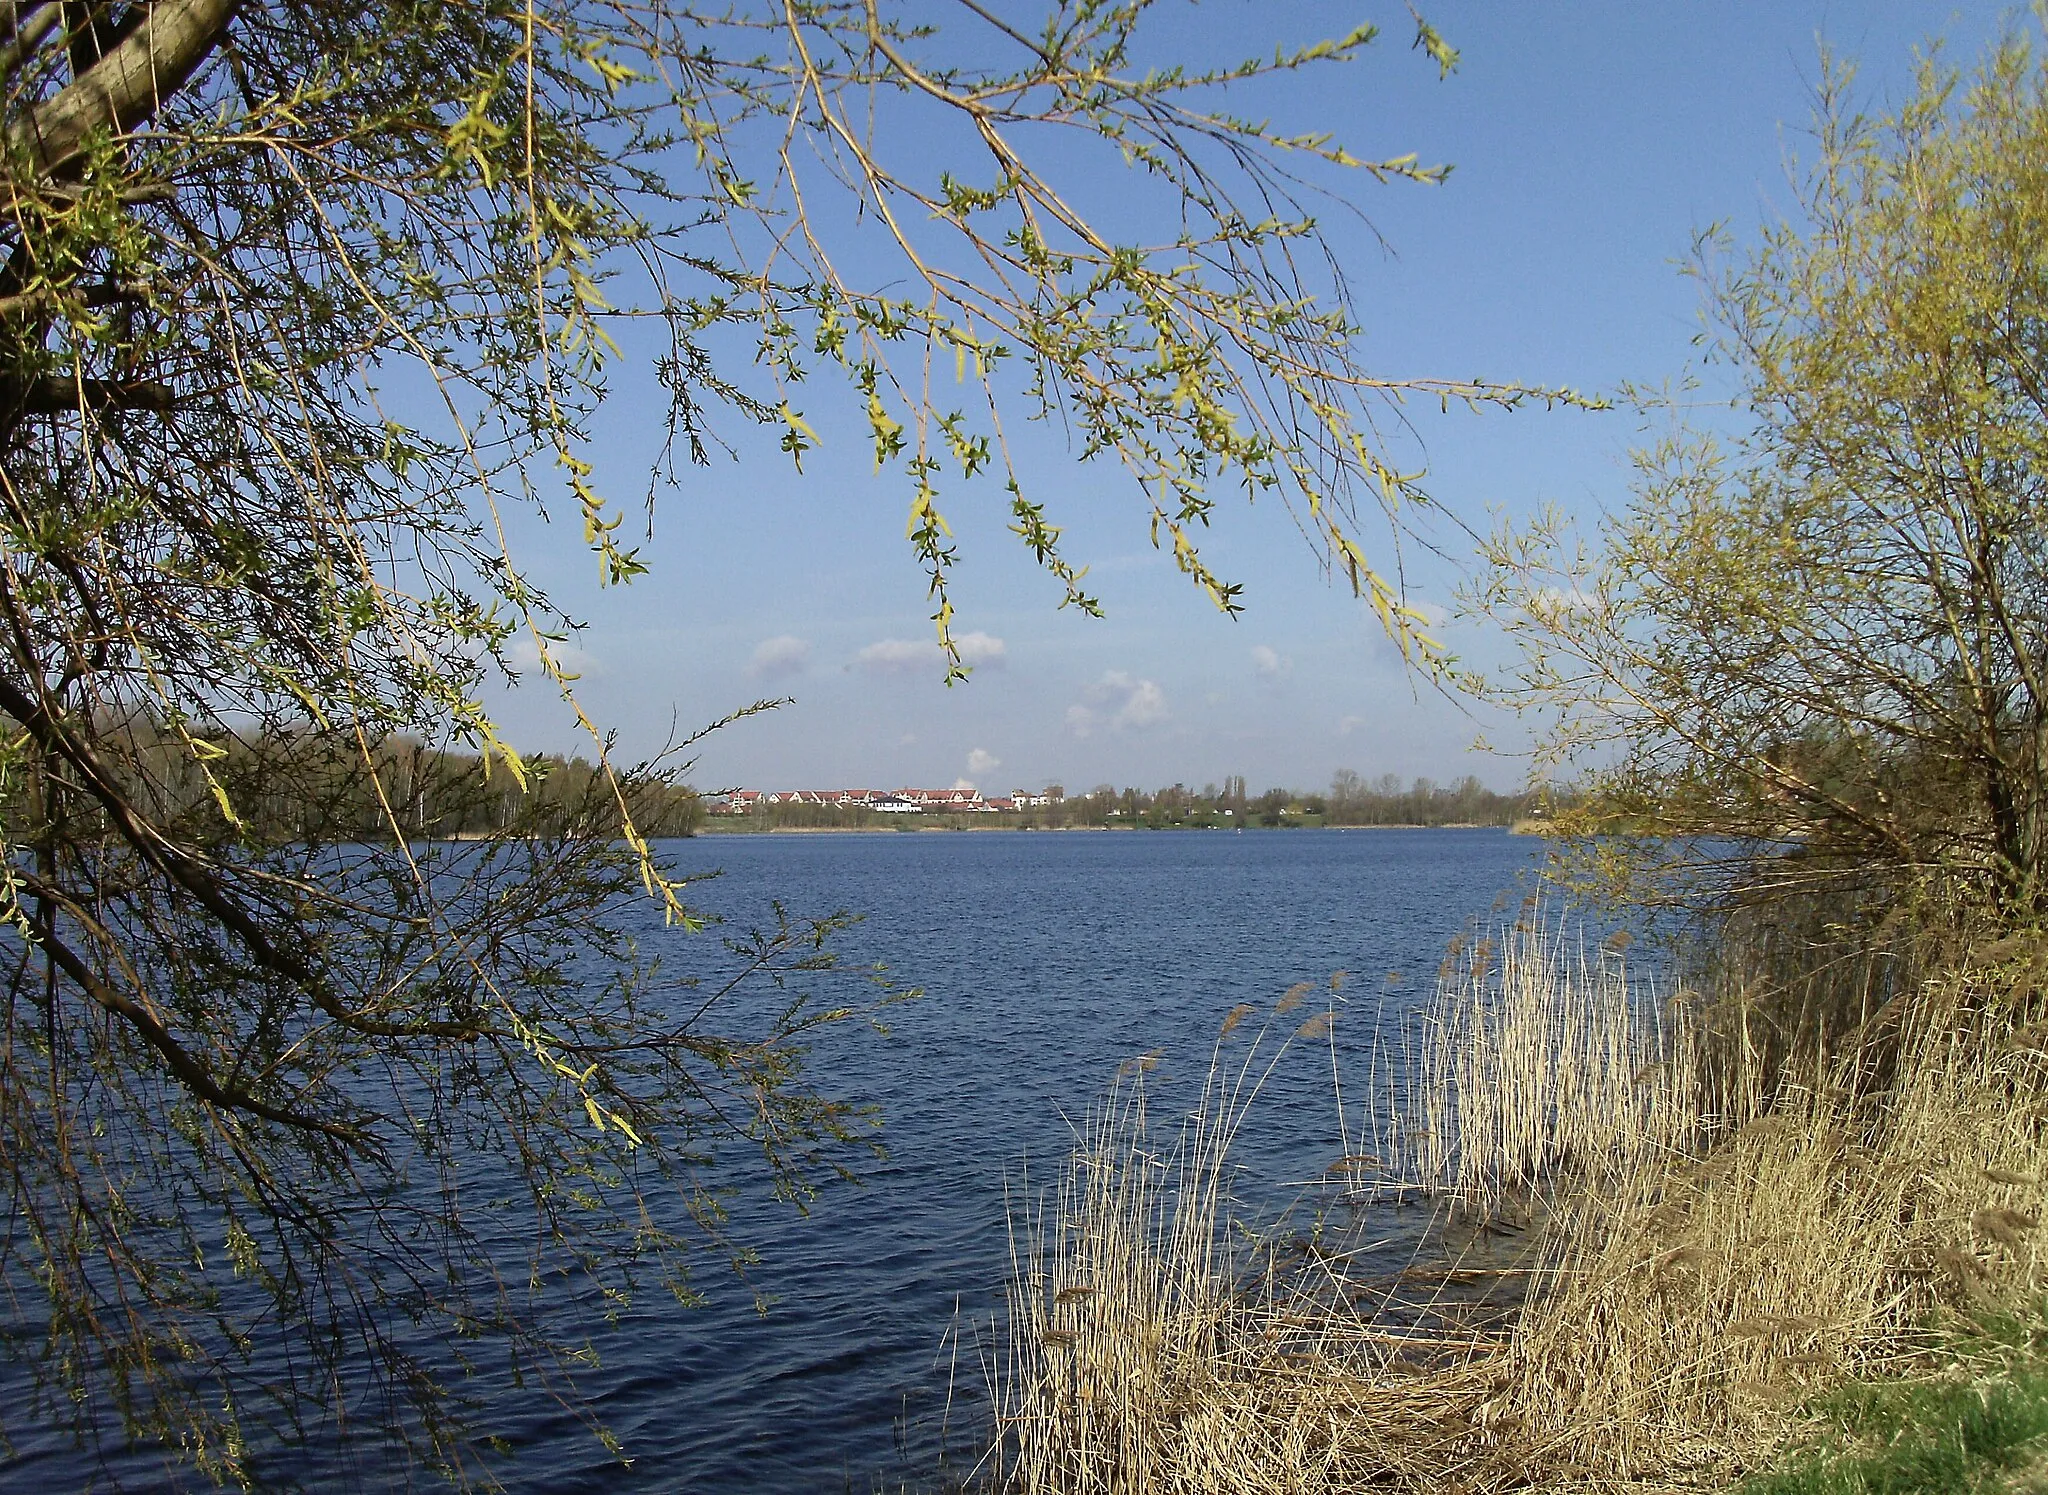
1385, 801
276, 786
1350, 800
296, 786
439, 792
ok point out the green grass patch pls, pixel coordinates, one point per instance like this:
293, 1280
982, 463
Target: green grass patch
1972, 1417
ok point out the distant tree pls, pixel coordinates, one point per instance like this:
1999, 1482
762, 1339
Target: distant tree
1096, 807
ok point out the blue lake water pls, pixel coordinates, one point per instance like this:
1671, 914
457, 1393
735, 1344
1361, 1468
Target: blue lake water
1046, 960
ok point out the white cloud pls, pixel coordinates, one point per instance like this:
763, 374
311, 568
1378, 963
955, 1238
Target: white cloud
962, 784
981, 762
523, 654
1124, 701
982, 649
785, 654
903, 656
1269, 662
1562, 602
898, 656
1349, 725
1144, 702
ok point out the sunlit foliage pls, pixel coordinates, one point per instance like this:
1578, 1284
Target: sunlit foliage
300, 303
1818, 639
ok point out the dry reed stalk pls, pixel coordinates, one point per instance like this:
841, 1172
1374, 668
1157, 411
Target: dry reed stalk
1709, 1248
1115, 1302
1541, 1065
1691, 1301
1139, 1352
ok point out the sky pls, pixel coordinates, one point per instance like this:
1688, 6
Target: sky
1590, 144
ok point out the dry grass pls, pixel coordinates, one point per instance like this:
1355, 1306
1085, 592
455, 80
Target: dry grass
1116, 1305
1151, 1346
1686, 1314
1699, 1262
1542, 1062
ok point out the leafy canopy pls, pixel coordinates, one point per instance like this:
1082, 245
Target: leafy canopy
298, 301
1821, 642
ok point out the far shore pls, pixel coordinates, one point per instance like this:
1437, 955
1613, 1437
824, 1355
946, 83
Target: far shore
1519, 828
887, 830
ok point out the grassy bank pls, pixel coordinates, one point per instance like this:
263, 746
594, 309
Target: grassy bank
1967, 1413
1711, 1232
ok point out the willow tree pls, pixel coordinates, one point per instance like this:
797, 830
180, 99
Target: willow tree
1814, 645
296, 299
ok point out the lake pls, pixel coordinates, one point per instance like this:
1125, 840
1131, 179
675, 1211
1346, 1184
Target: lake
1046, 961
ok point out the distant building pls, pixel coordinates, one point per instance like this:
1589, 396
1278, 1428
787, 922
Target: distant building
886, 801
941, 799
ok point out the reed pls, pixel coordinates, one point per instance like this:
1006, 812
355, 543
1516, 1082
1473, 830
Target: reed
1544, 1065
1713, 1238
1153, 1343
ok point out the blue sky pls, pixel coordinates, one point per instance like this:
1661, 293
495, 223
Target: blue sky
1590, 143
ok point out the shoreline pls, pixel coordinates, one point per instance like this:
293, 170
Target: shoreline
898, 830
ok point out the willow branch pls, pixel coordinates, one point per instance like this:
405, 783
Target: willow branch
128, 85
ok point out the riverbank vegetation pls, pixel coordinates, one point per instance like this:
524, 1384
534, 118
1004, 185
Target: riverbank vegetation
278, 788
1798, 685
1966, 1413
1648, 1247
